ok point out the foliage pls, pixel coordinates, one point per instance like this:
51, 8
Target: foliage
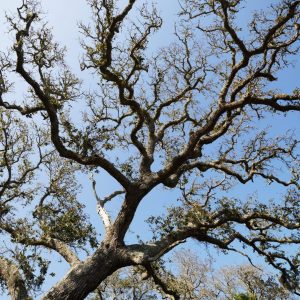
191, 116
244, 297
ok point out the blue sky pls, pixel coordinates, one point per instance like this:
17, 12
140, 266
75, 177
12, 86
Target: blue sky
63, 16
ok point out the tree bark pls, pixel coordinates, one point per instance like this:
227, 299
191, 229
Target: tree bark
15, 283
85, 277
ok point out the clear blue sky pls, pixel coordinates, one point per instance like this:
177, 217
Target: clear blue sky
63, 16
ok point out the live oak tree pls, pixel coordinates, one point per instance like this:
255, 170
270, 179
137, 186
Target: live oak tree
190, 117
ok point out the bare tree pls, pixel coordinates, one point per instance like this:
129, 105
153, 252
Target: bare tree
249, 281
185, 118
193, 280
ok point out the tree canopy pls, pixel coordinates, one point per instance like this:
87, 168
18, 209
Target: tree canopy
194, 117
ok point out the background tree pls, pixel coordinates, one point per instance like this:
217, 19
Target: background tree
36, 213
189, 117
192, 280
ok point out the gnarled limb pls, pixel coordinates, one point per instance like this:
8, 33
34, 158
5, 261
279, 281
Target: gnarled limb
15, 283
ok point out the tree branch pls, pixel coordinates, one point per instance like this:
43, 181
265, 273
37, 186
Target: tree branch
12, 277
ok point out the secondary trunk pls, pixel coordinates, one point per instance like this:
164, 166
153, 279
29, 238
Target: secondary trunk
15, 283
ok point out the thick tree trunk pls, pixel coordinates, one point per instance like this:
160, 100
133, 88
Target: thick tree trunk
86, 276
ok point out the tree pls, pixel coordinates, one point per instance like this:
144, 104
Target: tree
190, 117
248, 282
193, 280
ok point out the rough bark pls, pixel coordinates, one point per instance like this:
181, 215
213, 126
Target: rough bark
14, 281
86, 276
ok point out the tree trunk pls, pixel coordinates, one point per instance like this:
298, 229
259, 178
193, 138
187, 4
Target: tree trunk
86, 276
15, 283
17, 289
